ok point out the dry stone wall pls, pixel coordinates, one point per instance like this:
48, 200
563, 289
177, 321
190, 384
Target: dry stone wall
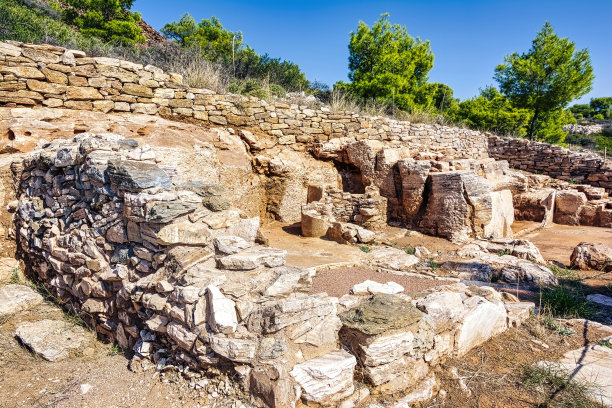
167, 268
554, 161
42, 75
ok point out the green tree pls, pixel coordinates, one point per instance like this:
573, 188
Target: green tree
601, 106
217, 43
547, 77
491, 111
386, 63
110, 20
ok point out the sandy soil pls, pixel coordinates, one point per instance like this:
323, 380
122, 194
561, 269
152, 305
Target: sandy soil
557, 242
308, 252
338, 281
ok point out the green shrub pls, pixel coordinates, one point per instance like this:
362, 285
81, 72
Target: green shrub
410, 250
365, 248
599, 116
567, 302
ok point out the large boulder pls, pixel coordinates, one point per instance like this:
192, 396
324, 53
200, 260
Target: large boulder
568, 204
459, 206
413, 174
592, 256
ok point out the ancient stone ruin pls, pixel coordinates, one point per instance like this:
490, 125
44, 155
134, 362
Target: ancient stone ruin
138, 202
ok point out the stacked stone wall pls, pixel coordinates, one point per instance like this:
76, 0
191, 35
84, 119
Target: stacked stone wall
42, 75
554, 161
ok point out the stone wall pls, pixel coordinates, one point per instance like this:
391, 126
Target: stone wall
165, 267
554, 161
42, 75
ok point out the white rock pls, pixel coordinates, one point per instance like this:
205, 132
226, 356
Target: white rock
222, 311
241, 351
389, 288
591, 365
482, 321
253, 258
52, 339
228, 244
392, 258
444, 309
15, 298
326, 379
365, 236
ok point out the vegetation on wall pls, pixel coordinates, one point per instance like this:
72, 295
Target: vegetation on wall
219, 45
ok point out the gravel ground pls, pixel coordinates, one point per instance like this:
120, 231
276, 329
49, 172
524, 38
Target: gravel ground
338, 282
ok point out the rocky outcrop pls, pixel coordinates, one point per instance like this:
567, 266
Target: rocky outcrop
592, 256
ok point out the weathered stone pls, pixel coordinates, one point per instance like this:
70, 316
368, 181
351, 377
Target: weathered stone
185, 233
238, 350
371, 287
600, 299
182, 335
84, 93
222, 311
45, 87
482, 321
326, 379
381, 313
592, 256
588, 365
15, 298
230, 244
568, 204
136, 176
444, 308
290, 279
253, 258
53, 340
137, 90
392, 258
165, 211
459, 205
22, 72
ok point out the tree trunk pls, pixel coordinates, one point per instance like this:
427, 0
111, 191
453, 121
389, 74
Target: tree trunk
533, 124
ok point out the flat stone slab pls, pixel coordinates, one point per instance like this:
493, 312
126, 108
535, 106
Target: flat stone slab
382, 312
600, 299
15, 298
591, 365
52, 339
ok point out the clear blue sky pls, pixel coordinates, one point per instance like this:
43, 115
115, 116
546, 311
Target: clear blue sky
468, 38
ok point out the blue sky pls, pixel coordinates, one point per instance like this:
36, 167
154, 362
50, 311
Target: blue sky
468, 38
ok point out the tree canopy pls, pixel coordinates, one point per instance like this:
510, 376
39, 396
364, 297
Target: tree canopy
545, 78
386, 63
110, 20
227, 47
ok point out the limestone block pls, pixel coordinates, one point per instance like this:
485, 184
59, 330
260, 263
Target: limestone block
238, 350
53, 340
568, 204
326, 379
253, 258
482, 321
221, 311
371, 287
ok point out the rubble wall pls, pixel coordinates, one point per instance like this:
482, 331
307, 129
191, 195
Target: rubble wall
554, 161
165, 267
55, 77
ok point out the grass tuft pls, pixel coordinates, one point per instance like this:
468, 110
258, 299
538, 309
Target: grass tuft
365, 248
556, 388
567, 302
